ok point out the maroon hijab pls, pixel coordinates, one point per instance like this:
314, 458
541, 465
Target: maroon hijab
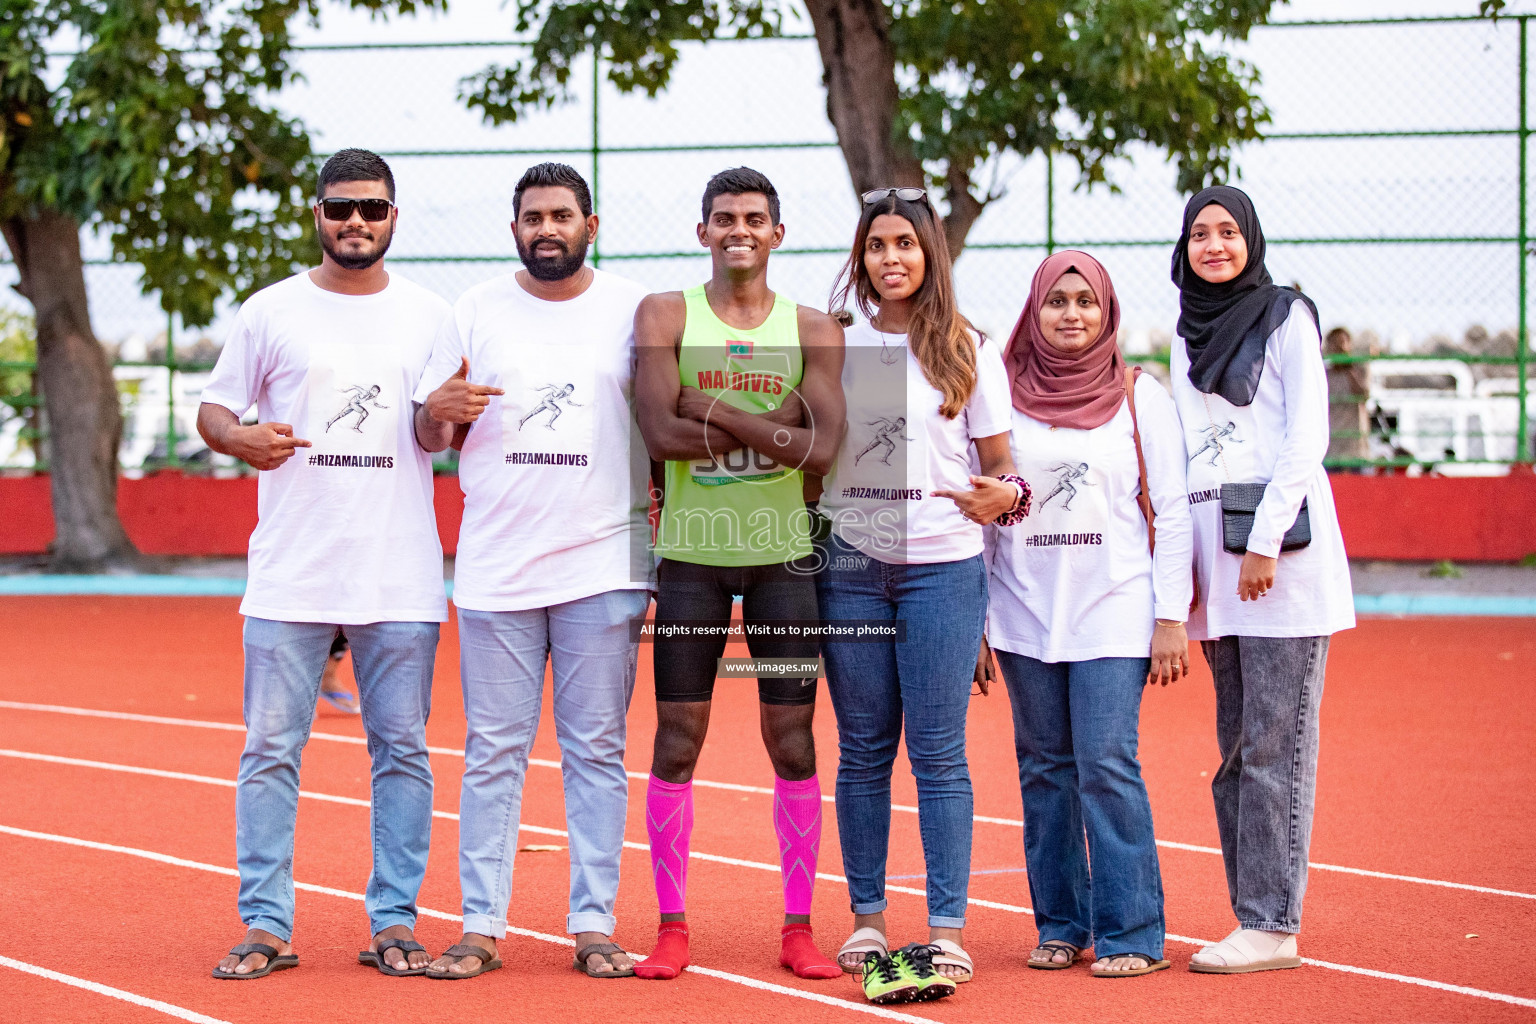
1081, 389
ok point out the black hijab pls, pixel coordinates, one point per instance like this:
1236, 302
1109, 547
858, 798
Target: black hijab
1225, 326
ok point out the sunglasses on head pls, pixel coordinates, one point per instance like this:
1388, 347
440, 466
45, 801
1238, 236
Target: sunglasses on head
373, 210
910, 195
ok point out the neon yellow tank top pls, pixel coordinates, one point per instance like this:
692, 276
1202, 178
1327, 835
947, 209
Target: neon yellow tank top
739, 507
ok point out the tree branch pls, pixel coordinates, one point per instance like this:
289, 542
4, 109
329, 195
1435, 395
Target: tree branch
964, 207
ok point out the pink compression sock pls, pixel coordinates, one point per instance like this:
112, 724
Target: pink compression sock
669, 823
797, 820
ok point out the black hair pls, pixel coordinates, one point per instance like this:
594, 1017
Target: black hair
739, 181
356, 165
553, 175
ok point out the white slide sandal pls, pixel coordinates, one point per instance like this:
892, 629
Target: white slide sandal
863, 942
953, 956
1243, 952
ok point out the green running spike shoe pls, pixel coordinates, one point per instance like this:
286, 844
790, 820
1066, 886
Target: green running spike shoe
886, 981
916, 963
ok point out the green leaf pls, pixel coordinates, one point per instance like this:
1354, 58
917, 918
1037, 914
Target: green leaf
161, 130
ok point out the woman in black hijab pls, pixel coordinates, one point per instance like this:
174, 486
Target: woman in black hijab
1225, 323
1252, 394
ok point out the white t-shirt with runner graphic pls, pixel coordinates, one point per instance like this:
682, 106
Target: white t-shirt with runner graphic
1279, 440
555, 476
1074, 581
899, 448
346, 531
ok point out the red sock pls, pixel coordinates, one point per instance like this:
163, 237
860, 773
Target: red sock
799, 954
670, 956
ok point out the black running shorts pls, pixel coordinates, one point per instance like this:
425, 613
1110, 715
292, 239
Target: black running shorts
703, 595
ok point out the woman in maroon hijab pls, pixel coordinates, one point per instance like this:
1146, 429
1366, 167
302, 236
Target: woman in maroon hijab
1083, 614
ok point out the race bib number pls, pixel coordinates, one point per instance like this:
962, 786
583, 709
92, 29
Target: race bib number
744, 465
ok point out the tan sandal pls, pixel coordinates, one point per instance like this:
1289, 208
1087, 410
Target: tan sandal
1151, 967
951, 955
863, 941
1054, 946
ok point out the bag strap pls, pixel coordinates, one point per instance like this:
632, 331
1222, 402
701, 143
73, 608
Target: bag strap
1144, 499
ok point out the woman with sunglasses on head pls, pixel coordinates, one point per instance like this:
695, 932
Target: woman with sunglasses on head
1088, 606
1252, 393
924, 390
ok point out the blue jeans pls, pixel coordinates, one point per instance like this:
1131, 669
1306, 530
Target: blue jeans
283, 663
1268, 691
924, 681
1074, 728
502, 659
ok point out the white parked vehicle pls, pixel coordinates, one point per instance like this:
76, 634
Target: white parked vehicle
1464, 427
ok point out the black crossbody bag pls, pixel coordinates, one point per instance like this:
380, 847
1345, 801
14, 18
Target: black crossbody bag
1239, 504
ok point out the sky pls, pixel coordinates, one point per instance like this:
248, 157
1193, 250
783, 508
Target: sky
1423, 77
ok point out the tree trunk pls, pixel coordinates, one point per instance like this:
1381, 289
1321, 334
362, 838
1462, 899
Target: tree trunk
859, 71
85, 422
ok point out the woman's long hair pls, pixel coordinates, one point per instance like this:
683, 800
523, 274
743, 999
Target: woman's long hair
940, 337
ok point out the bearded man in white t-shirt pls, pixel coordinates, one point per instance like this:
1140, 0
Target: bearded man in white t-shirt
533, 376
346, 537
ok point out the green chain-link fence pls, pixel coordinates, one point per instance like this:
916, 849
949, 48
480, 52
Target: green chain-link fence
1392, 185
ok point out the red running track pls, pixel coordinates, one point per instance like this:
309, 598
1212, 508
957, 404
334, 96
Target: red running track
1429, 746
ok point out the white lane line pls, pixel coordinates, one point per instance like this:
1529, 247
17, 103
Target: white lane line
121, 716
170, 1009
352, 801
559, 940
738, 788
716, 858
1462, 990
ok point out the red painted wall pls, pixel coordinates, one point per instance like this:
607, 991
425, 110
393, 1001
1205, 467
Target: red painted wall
1467, 519
171, 514
1464, 519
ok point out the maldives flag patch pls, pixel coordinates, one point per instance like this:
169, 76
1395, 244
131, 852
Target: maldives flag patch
739, 349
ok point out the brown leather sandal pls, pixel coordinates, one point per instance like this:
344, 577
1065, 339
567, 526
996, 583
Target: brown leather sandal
275, 962
489, 961
375, 958
606, 951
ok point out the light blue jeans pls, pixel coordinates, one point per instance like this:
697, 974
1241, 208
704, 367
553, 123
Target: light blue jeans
283, 663
1075, 726
921, 685
502, 659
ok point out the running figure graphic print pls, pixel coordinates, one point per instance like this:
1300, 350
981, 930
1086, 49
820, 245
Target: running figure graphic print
554, 394
353, 409
883, 438
547, 414
358, 403
1213, 437
1065, 474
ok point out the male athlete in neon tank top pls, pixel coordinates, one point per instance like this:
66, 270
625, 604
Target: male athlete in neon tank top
737, 391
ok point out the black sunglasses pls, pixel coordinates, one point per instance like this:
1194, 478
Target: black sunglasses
373, 210
910, 195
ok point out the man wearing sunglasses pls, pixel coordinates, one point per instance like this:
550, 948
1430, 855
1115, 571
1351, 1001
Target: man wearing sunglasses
346, 537
739, 390
533, 375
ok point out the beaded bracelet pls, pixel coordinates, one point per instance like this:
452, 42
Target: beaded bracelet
1015, 515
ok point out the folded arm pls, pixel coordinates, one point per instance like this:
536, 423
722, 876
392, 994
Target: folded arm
809, 442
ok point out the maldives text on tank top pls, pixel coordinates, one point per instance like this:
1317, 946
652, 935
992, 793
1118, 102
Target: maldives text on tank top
739, 507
